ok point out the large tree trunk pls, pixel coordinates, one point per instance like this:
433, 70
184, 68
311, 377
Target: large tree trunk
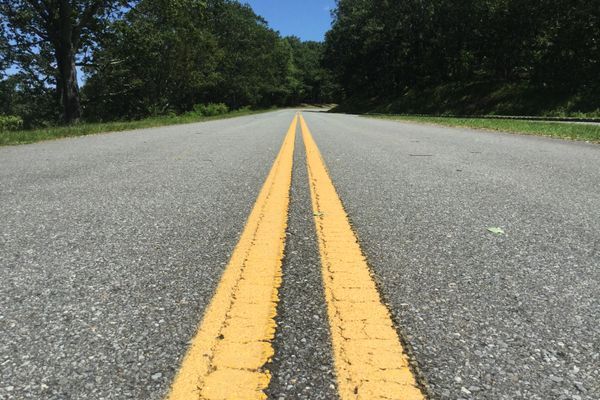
67, 85
65, 45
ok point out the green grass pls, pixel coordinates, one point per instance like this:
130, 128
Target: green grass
572, 131
36, 135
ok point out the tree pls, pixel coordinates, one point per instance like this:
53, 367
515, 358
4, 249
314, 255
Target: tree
48, 37
309, 81
4, 50
254, 64
384, 50
167, 56
160, 58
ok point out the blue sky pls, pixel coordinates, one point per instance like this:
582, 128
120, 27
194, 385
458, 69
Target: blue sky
307, 19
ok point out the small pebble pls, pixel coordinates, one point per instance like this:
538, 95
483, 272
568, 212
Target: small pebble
156, 376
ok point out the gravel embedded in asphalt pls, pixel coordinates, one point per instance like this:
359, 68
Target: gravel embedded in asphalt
487, 316
303, 366
111, 247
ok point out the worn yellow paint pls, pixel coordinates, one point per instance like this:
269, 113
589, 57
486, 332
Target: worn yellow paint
227, 356
370, 362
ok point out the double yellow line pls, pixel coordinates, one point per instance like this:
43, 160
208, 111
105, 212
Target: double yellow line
227, 357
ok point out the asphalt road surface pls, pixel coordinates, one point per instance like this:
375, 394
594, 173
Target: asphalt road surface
111, 247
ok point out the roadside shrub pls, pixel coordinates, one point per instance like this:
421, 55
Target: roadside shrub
10, 123
211, 109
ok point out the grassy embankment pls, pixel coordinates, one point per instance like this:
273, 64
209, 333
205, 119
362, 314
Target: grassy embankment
437, 105
482, 98
562, 130
36, 135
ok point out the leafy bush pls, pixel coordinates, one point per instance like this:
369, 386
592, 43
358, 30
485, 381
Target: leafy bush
211, 109
10, 123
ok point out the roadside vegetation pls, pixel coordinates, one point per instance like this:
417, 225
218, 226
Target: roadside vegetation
159, 60
35, 135
146, 62
574, 131
468, 57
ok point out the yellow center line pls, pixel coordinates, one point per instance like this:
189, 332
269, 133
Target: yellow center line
227, 356
369, 359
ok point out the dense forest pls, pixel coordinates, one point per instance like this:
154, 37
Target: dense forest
153, 57
160, 57
467, 56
